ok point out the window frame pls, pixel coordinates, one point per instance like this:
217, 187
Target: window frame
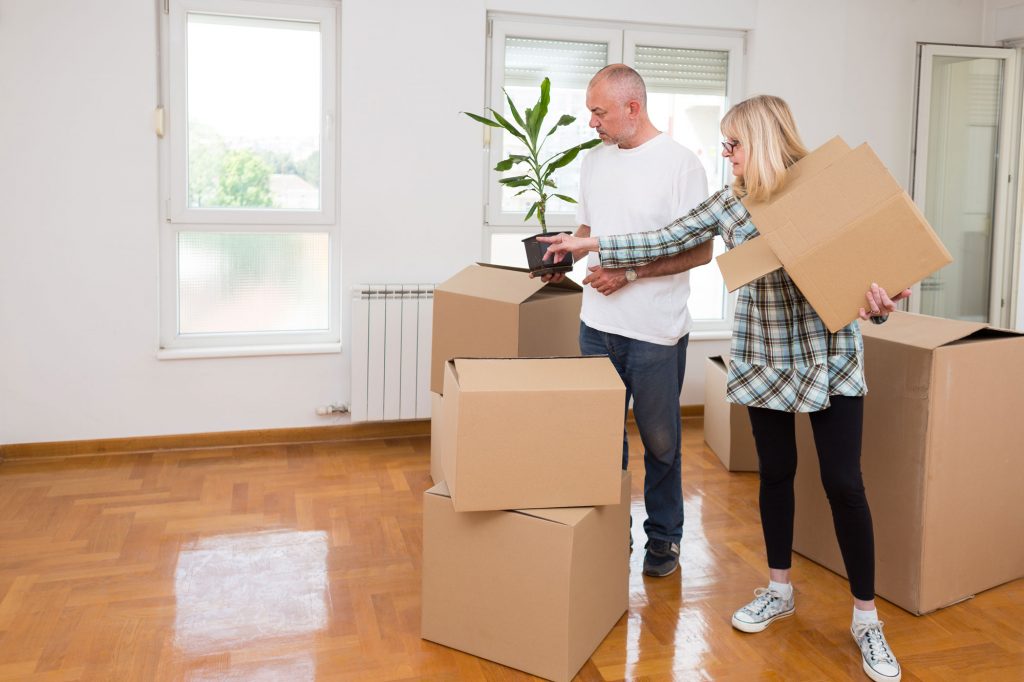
177, 217
622, 39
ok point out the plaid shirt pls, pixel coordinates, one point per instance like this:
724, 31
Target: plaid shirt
783, 356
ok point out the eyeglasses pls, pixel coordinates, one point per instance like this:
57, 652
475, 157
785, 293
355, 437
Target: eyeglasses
729, 145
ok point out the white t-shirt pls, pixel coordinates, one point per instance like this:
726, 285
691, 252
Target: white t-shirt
636, 190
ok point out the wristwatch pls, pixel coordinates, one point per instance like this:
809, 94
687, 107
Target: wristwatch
631, 275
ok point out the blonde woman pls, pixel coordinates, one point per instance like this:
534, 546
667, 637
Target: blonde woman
783, 360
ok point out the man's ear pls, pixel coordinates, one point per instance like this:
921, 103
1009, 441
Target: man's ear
634, 107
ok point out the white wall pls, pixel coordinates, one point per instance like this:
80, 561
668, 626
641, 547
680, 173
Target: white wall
78, 186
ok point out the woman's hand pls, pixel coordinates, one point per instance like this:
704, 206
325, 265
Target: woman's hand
879, 303
561, 244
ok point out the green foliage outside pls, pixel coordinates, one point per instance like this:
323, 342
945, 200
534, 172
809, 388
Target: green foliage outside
244, 180
238, 178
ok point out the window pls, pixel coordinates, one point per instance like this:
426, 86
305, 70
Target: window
249, 244
692, 78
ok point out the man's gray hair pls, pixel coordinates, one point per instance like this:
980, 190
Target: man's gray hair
625, 81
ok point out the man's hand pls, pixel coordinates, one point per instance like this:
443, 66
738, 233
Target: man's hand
555, 277
605, 280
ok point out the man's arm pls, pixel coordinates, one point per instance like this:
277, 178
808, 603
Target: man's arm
608, 280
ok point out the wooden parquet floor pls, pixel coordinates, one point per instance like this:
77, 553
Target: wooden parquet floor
302, 562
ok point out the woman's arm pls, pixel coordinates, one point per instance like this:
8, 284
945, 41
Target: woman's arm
629, 250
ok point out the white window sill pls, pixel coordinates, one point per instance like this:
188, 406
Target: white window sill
246, 351
711, 335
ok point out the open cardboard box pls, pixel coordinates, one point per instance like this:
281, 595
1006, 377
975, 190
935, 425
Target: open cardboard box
943, 462
840, 223
497, 311
531, 432
727, 429
536, 590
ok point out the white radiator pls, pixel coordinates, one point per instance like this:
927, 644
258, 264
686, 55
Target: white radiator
391, 326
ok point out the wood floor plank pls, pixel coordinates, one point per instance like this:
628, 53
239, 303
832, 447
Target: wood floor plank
302, 562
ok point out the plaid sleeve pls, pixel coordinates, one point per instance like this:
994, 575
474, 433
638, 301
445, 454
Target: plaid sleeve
696, 227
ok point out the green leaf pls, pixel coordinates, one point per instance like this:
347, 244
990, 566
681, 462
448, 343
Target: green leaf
565, 198
564, 159
590, 144
522, 191
512, 160
515, 112
563, 121
507, 126
536, 118
517, 181
485, 121
530, 212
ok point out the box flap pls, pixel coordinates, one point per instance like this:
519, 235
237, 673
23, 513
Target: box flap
500, 284
812, 164
836, 204
441, 490
566, 284
536, 374
747, 262
720, 361
567, 516
920, 331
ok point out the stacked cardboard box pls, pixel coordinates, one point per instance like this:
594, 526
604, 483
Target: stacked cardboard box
525, 555
941, 460
493, 311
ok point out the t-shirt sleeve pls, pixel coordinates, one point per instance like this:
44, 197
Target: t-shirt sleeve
693, 184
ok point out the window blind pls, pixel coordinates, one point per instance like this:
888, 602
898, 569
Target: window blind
683, 71
569, 64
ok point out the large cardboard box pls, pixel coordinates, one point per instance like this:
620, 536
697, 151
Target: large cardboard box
488, 311
536, 590
436, 473
942, 462
532, 432
825, 226
726, 425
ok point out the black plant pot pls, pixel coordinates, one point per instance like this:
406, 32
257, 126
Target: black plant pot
535, 251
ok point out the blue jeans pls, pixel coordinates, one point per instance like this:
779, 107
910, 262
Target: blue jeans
653, 375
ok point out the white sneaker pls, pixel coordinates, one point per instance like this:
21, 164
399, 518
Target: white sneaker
767, 607
879, 662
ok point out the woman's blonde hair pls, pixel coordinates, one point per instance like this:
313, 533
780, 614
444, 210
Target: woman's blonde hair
765, 127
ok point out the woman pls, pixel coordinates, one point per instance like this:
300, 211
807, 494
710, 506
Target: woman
783, 360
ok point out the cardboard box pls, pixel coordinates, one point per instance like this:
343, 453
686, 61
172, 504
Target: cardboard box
942, 462
536, 590
532, 432
495, 311
727, 429
825, 227
436, 473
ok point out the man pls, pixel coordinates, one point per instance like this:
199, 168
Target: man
639, 180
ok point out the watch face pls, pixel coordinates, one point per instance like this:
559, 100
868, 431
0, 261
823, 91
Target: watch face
630, 275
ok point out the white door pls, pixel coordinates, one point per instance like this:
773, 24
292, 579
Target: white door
962, 182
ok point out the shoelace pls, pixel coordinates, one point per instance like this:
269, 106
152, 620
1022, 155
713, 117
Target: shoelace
878, 648
763, 598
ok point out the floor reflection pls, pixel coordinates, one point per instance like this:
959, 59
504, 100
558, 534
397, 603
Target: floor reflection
236, 590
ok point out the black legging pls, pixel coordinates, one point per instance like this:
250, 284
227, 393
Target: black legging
837, 438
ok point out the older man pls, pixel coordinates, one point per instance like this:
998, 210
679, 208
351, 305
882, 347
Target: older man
639, 180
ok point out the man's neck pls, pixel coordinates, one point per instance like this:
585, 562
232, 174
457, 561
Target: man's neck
645, 133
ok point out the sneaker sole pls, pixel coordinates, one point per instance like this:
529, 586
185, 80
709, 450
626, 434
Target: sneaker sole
662, 575
758, 627
879, 677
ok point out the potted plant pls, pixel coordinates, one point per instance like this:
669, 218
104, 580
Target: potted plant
537, 177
